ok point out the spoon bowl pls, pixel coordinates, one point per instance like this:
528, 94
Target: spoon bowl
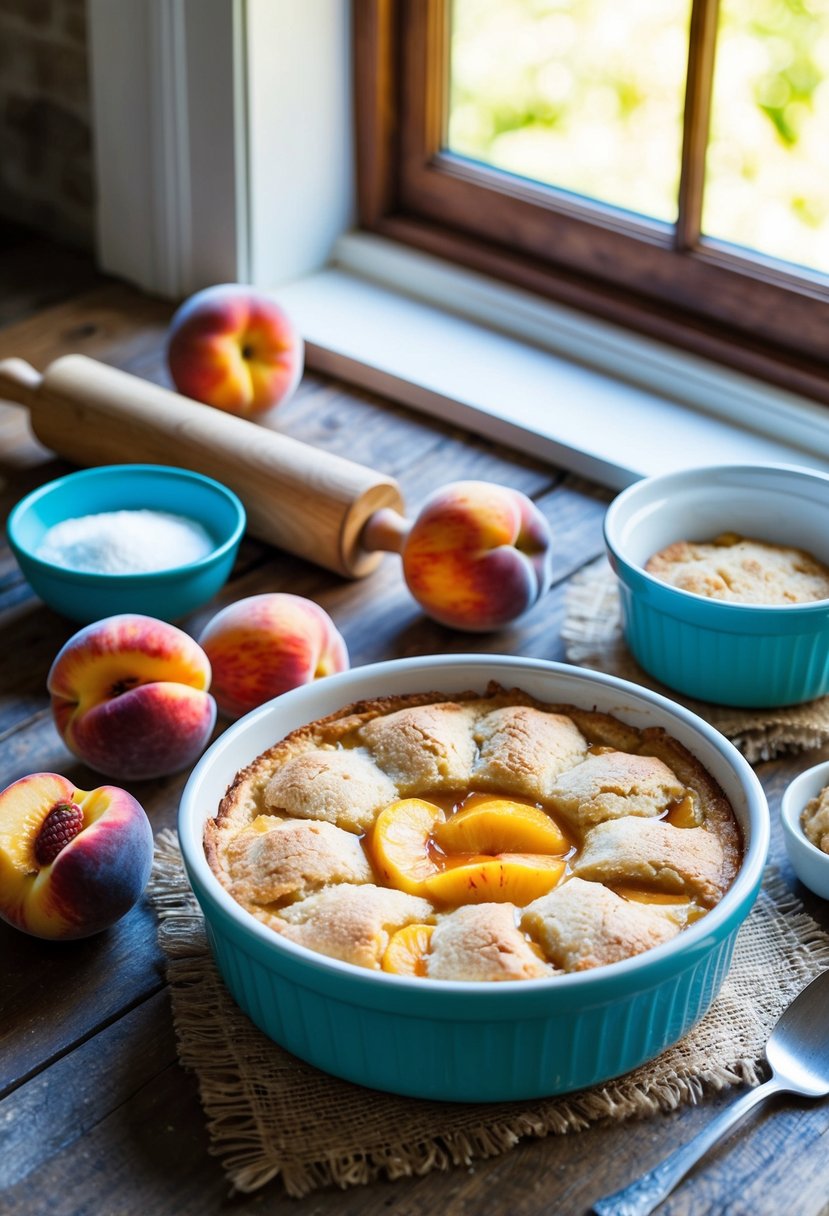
798, 1047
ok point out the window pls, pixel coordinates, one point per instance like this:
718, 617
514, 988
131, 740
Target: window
662, 165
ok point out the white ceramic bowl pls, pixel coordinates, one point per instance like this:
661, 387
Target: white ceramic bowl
471, 1041
810, 864
719, 651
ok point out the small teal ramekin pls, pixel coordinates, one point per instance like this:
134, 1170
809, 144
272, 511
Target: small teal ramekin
727, 653
471, 1042
169, 594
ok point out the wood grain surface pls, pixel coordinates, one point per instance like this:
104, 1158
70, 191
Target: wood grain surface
97, 1116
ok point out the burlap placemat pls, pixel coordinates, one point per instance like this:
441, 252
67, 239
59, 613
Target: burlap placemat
592, 632
272, 1116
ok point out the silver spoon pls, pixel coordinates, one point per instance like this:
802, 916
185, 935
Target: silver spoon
798, 1055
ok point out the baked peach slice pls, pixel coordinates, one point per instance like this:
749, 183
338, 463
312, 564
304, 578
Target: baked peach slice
494, 850
511, 878
500, 825
686, 910
400, 844
684, 813
643, 895
408, 949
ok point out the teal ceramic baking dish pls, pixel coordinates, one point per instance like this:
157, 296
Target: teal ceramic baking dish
169, 594
727, 653
471, 1042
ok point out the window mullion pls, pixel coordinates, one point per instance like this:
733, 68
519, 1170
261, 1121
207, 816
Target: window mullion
375, 40
437, 34
698, 88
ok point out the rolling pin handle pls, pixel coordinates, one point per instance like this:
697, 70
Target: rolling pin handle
19, 382
386, 530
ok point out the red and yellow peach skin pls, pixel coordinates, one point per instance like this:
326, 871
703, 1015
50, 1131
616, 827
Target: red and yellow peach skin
267, 644
129, 697
77, 880
234, 348
478, 555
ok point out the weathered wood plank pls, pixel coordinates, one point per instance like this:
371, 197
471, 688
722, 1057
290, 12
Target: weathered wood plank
146, 1155
112, 322
57, 993
58, 1107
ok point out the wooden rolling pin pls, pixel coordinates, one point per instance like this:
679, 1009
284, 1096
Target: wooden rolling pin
311, 503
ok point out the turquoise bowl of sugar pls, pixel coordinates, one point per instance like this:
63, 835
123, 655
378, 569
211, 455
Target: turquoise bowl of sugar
143, 538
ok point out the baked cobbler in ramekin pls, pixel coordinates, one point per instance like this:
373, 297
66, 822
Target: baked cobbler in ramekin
743, 622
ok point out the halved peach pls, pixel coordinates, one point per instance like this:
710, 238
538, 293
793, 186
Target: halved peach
512, 878
407, 950
400, 844
499, 825
72, 862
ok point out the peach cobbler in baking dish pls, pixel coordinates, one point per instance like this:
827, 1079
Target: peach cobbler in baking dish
475, 837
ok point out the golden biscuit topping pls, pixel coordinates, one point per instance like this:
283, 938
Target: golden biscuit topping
650, 851
428, 747
522, 750
342, 787
740, 570
279, 861
613, 784
483, 942
584, 924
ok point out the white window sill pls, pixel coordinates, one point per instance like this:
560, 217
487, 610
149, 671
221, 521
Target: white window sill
379, 316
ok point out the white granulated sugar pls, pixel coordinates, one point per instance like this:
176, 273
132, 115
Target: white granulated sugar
125, 542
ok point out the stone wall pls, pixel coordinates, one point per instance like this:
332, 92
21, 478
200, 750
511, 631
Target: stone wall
46, 180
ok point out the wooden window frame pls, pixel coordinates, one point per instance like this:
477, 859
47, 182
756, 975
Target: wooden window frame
665, 281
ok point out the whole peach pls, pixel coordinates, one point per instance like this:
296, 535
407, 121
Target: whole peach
478, 555
72, 862
267, 644
129, 697
234, 348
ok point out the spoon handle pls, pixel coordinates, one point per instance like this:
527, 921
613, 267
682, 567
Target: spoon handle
647, 1192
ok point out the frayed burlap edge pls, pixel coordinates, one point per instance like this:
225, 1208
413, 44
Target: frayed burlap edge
592, 632
206, 1021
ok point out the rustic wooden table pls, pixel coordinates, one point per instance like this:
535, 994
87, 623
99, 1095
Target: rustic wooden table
97, 1116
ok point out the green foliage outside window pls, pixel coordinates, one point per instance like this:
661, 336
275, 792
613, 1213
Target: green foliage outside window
587, 95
